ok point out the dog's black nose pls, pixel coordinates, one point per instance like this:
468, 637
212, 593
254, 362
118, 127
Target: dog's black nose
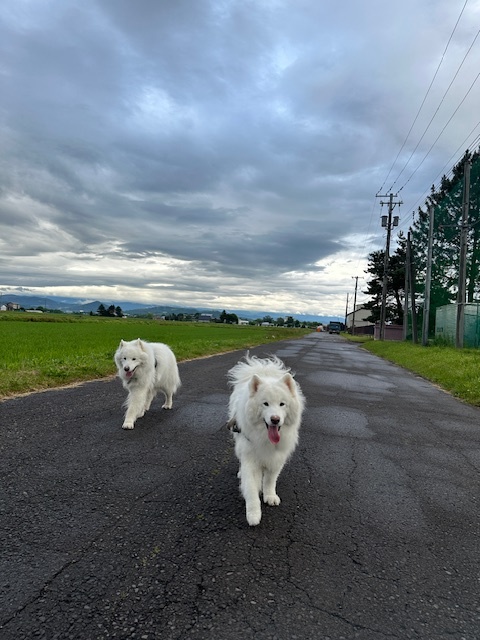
126, 368
274, 419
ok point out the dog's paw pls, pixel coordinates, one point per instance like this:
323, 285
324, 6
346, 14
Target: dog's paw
254, 516
127, 425
167, 406
273, 500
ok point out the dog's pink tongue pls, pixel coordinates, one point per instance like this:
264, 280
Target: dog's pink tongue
129, 374
273, 434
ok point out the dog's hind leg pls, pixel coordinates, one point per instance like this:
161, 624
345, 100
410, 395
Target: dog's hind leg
270, 487
150, 396
250, 485
168, 404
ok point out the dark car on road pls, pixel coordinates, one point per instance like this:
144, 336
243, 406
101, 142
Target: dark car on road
334, 327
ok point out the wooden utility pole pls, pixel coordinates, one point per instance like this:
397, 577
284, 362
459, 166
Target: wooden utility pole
354, 305
407, 287
411, 279
388, 224
428, 279
462, 268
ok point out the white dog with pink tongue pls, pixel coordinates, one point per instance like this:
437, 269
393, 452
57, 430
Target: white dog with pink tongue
145, 368
265, 412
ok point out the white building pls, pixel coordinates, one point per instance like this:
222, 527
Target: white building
361, 315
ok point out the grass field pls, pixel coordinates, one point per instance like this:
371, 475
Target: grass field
40, 352
455, 370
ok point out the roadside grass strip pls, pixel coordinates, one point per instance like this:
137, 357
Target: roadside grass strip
43, 352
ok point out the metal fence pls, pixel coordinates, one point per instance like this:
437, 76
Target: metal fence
446, 322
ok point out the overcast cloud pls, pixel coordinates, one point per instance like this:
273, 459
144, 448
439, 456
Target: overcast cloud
219, 153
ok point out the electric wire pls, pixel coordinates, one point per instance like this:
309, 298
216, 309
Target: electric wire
472, 145
367, 235
441, 132
424, 99
437, 110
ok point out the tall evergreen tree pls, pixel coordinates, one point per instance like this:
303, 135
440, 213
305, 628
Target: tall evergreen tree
447, 203
395, 283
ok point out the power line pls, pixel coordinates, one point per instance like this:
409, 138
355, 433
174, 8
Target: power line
368, 231
438, 137
437, 110
472, 145
424, 99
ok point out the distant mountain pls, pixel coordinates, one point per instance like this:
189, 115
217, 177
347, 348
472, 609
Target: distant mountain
77, 305
302, 317
165, 310
72, 305
29, 302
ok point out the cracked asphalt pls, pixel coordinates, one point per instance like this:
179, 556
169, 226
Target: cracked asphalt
107, 533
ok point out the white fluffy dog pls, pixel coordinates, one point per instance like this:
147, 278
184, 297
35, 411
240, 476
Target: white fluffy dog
145, 368
265, 412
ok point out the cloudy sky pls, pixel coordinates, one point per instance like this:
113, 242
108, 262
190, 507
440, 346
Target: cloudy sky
222, 153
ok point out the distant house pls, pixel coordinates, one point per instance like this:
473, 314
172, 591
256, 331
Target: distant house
362, 325
13, 306
205, 317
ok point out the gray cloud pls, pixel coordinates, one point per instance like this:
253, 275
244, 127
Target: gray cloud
222, 150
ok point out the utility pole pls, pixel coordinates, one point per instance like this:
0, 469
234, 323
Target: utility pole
354, 304
462, 268
346, 313
428, 279
411, 280
407, 287
389, 224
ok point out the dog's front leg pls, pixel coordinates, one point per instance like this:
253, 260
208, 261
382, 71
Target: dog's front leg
270, 488
250, 484
135, 409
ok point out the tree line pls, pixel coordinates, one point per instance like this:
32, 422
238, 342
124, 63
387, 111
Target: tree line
109, 312
446, 200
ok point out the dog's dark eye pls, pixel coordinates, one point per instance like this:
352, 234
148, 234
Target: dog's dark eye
282, 404
266, 404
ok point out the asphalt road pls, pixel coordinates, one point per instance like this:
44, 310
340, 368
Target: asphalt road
107, 533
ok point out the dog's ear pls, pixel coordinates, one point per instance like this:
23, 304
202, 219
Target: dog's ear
122, 343
290, 383
140, 344
255, 382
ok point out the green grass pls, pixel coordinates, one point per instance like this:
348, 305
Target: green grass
455, 370
39, 352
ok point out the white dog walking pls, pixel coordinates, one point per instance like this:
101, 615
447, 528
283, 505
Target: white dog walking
265, 412
145, 368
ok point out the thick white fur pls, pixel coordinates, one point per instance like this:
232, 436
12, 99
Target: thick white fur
145, 368
264, 391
